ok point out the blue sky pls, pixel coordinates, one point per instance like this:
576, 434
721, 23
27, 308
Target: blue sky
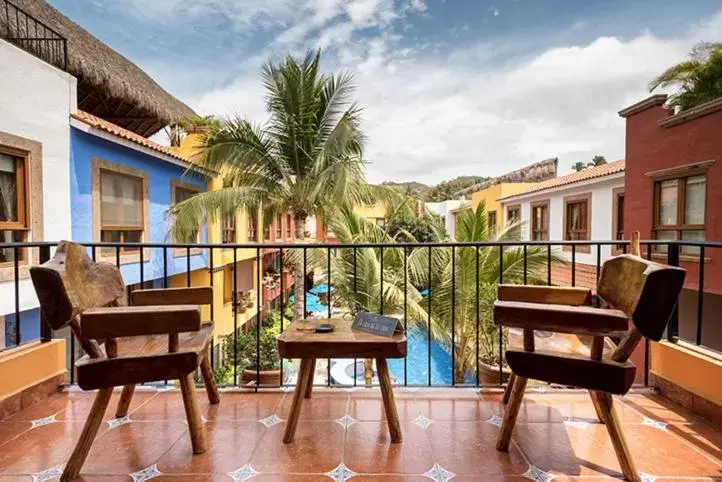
449, 87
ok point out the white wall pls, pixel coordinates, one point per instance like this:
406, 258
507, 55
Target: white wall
444, 209
36, 100
602, 206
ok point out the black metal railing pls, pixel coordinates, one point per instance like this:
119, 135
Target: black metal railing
22, 29
434, 347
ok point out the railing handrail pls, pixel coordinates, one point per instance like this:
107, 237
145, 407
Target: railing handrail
436, 244
56, 50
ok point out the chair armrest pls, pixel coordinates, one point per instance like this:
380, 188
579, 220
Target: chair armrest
115, 322
558, 295
200, 295
578, 320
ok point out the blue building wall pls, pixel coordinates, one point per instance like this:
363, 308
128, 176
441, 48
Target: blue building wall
83, 148
29, 327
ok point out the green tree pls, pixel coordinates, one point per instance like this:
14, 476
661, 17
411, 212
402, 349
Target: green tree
454, 287
699, 78
579, 166
597, 161
307, 159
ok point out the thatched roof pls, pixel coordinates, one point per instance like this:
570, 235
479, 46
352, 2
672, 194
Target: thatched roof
537, 172
109, 85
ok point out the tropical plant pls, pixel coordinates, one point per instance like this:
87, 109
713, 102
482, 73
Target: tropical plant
457, 273
597, 161
699, 78
246, 349
307, 159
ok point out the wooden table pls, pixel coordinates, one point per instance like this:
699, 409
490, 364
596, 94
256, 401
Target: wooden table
342, 342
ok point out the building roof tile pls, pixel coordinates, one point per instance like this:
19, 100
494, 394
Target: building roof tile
585, 175
118, 131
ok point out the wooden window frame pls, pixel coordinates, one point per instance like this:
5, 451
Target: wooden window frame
178, 184
543, 204
489, 216
575, 199
509, 209
617, 192
279, 226
252, 226
23, 200
229, 225
98, 166
289, 225
679, 228
32, 153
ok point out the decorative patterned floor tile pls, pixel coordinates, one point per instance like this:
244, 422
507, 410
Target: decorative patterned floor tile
654, 423
287, 389
647, 477
43, 421
346, 421
422, 421
243, 474
116, 422
341, 473
576, 423
537, 474
49, 474
271, 420
439, 474
146, 474
495, 420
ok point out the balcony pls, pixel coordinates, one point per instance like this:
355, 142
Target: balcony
448, 432
450, 424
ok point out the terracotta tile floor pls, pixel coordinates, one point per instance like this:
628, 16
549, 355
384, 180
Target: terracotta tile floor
342, 434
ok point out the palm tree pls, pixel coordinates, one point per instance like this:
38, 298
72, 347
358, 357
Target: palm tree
579, 166
306, 159
455, 280
699, 78
357, 275
597, 161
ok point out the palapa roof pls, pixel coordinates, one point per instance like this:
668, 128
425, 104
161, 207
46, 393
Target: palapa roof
539, 171
109, 85
583, 175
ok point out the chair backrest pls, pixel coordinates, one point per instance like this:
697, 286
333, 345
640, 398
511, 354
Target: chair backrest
646, 291
71, 282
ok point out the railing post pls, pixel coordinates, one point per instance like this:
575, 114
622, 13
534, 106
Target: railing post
46, 333
673, 325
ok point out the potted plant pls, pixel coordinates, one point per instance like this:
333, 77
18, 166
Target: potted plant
246, 352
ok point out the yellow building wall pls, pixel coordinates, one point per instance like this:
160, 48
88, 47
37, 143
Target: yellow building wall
377, 211
222, 311
491, 195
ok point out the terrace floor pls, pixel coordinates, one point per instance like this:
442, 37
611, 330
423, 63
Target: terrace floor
448, 433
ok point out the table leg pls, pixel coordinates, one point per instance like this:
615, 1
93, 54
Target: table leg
392, 416
304, 372
309, 385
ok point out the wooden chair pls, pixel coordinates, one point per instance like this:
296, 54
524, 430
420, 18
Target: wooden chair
160, 339
638, 297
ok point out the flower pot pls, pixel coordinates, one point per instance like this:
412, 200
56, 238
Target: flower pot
267, 377
489, 374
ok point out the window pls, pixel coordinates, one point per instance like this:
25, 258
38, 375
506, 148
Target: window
491, 221
228, 233
577, 220
279, 227
679, 210
13, 205
121, 210
288, 226
182, 192
266, 231
253, 227
513, 214
618, 217
540, 221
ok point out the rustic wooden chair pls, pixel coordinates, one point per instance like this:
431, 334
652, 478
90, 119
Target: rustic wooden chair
162, 338
638, 299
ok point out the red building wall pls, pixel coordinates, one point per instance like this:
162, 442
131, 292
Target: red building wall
652, 147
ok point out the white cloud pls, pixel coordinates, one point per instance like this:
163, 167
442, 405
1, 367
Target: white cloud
429, 118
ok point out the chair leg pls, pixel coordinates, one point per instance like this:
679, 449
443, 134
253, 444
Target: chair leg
597, 408
193, 414
615, 433
209, 381
309, 385
512, 410
90, 430
507, 390
124, 403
